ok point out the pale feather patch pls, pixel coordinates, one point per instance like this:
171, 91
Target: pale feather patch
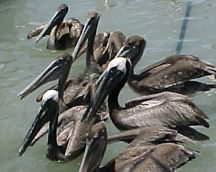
50, 94
119, 63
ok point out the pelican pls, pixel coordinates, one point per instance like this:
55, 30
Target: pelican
158, 152
62, 33
73, 92
99, 54
106, 46
68, 140
166, 109
70, 128
65, 133
97, 57
173, 73
60, 67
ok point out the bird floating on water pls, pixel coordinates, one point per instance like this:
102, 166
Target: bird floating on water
164, 109
155, 151
174, 73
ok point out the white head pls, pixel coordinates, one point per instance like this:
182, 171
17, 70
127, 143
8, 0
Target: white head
119, 63
50, 94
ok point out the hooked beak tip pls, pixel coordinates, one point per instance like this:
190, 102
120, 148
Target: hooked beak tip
20, 95
37, 40
21, 151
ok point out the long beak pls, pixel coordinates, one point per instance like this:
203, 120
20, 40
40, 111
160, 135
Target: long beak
38, 123
57, 67
94, 152
56, 19
89, 26
108, 81
51, 73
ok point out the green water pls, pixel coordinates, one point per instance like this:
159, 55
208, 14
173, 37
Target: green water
21, 60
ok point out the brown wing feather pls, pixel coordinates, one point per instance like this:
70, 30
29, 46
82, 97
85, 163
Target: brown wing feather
173, 70
149, 135
72, 27
163, 158
160, 158
161, 112
65, 120
165, 95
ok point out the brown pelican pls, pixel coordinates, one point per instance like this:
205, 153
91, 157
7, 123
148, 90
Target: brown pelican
65, 133
67, 141
62, 33
70, 128
158, 152
76, 92
99, 52
170, 74
106, 46
60, 67
164, 109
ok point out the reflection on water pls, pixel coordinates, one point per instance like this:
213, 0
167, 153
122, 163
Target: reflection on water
158, 21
